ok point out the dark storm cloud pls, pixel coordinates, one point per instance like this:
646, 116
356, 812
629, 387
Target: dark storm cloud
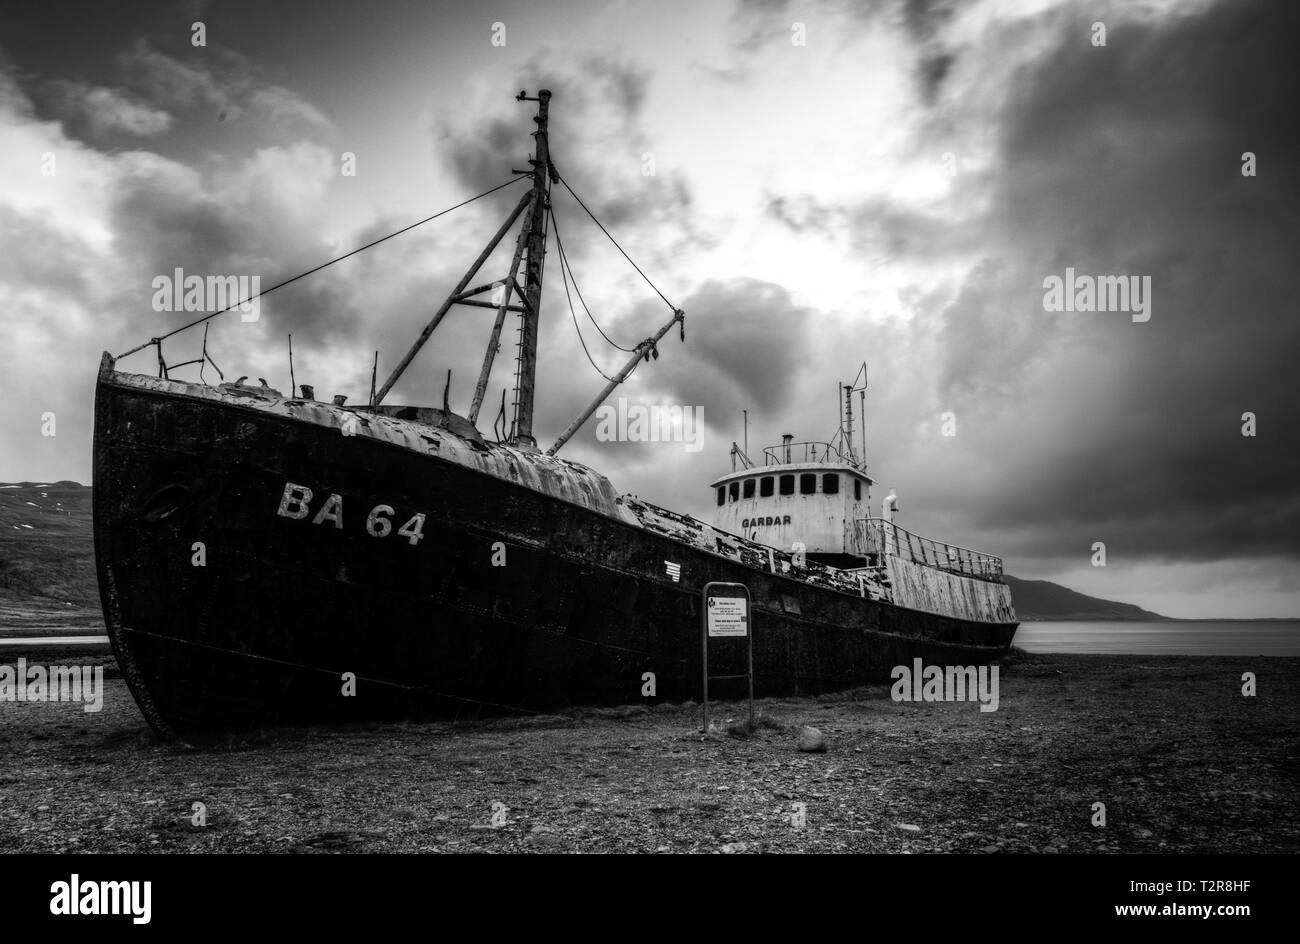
933, 68
218, 83
746, 348
597, 144
162, 227
592, 96
925, 18
1126, 160
95, 111
168, 81
746, 344
925, 21
478, 155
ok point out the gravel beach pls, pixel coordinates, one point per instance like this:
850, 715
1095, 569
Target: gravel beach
1181, 759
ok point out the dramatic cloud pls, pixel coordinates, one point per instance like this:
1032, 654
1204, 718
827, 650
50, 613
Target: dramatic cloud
1139, 424
107, 110
816, 184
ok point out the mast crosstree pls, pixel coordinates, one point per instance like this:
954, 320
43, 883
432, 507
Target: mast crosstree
530, 250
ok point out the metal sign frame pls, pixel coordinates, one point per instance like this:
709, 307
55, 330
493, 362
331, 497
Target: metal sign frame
704, 642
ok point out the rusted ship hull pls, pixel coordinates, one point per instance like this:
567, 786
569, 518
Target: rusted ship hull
235, 601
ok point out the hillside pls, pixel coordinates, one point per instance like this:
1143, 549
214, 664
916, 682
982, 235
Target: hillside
46, 543
1044, 600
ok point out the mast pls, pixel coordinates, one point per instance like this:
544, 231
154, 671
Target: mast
527, 376
534, 234
494, 342
455, 297
534, 206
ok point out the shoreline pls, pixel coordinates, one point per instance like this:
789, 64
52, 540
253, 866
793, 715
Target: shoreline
1183, 761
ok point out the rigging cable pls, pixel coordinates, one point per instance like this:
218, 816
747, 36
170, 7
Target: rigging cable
564, 260
564, 275
614, 241
158, 340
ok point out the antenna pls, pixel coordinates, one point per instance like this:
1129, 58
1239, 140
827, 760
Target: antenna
746, 412
862, 396
861, 390
848, 421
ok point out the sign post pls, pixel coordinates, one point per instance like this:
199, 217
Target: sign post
727, 614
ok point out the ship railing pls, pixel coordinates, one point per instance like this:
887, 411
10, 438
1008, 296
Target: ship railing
789, 453
881, 538
863, 582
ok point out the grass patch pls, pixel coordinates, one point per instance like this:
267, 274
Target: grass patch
762, 722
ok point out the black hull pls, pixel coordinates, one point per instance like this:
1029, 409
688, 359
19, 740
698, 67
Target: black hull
264, 632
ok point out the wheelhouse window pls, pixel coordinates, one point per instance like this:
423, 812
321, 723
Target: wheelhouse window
787, 485
734, 491
857, 490
722, 495
807, 483
766, 485
831, 483
749, 488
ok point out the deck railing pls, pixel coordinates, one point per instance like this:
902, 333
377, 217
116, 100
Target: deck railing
788, 453
880, 538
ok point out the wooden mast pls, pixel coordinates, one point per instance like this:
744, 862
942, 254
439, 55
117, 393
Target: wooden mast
506, 286
534, 234
527, 375
452, 299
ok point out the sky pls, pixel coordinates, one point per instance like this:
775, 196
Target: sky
832, 183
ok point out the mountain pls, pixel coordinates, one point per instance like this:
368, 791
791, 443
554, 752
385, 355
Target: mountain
46, 543
47, 553
1043, 600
